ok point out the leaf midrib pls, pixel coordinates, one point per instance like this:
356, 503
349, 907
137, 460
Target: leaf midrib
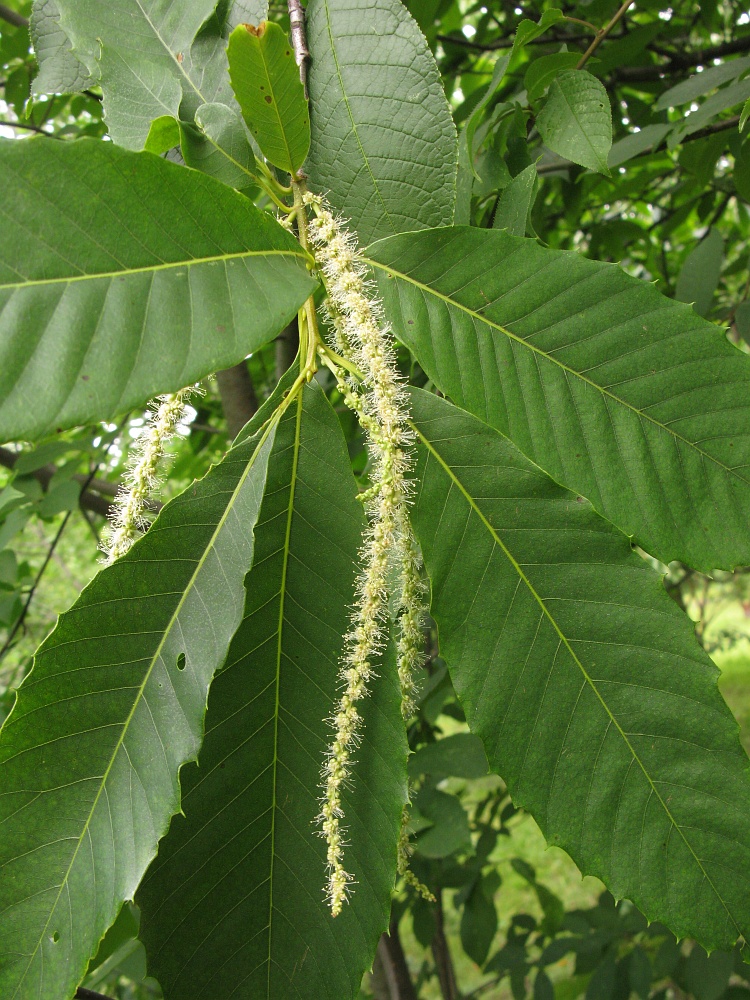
355, 131
276, 108
427, 289
271, 425
217, 258
581, 129
277, 701
563, 639
177, 63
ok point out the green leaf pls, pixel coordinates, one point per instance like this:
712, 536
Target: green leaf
636, 143
528, 30
136, 51
699, 275
266, 82
516, 201
450, 824
383, 146
235, 895
478, 924
218, 145
90, 754
461, 756
742, 321
584, 680
467, 135
158, 277
702, 83
163, 135
744, 115
728, 97
543, 71
60, 69
609, 386
576, 120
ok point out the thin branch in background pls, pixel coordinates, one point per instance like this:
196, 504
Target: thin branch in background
29, 127
601, 35
442, 954
13, 17
18, 624
681, 61
84, 994
507, 43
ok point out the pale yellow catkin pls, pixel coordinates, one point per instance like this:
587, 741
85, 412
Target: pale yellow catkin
365, 341
129, 519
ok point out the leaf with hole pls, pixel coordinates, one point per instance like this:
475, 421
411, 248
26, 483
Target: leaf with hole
88, 790
267, 85
235, 895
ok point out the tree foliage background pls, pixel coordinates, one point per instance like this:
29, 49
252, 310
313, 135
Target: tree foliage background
666, 192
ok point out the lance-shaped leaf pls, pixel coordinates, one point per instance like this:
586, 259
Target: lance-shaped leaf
267, 85
122, 276
620, 393
584, 680
384, 147
114, 706
234, 904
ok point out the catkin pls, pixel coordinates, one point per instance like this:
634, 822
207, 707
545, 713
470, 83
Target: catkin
365, 341
129, 519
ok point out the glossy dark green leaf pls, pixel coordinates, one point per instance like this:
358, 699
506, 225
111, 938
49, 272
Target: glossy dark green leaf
383, 145
234, 904
123, 276
266, 82
618, 392
576, 120
584, 680
114, 706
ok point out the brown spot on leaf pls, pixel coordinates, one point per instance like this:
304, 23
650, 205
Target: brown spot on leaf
268, 99
259, 32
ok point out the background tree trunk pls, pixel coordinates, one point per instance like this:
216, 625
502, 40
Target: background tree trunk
237, 396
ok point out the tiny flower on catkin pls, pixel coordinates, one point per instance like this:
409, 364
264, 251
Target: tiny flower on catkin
364, 340
129, 519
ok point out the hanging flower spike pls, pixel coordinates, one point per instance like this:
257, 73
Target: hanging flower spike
365, 341
129, 519
404, 854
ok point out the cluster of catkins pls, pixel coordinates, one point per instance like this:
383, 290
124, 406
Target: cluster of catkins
389, 552
129, 519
